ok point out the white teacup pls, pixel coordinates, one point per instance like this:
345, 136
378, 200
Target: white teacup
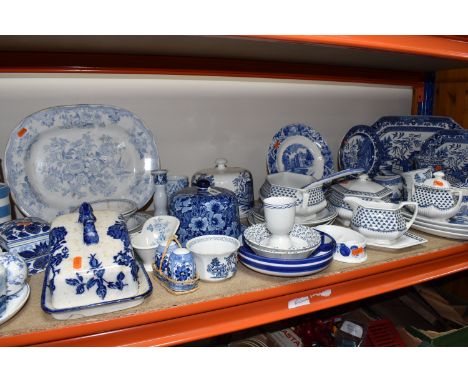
280, 212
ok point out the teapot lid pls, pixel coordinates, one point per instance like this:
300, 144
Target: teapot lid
362, 186
437, 181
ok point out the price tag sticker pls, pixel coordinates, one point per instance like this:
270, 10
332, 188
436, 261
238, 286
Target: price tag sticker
353, 329
297, 302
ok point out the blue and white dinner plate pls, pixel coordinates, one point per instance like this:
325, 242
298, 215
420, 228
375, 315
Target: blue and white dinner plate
319, 260
59, 157
402, 137
299, 148
446, 151
360, 148
14, 303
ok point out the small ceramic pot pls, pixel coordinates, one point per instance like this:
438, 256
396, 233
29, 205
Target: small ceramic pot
379, 221
236, 179
215, 256
437, 199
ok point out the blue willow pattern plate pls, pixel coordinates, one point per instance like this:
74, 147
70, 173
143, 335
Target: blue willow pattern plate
299, 148
59, 157
446, 151
360, 148
402, 137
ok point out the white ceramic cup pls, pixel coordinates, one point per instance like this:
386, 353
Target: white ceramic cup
280, 212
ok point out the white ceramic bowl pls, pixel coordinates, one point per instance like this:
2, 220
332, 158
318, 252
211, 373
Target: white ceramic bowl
350, 245
215, 256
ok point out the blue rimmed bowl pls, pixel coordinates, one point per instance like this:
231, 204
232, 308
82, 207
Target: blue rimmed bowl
319, 260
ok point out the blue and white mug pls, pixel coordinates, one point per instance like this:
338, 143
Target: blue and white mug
5, 208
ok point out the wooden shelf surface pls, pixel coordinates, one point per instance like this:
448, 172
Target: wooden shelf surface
247, 300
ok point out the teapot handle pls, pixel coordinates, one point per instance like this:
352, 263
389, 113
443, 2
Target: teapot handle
305, 198
460, 199
415, 212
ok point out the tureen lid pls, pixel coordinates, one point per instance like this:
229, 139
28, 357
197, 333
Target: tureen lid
362, 186
437, 181
24, 229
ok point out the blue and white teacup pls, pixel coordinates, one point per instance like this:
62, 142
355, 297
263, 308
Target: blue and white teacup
393, 182
13, 275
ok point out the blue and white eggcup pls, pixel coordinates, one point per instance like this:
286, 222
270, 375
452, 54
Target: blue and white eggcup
5, 208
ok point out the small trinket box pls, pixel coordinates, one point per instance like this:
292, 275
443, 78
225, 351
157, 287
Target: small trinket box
29, 238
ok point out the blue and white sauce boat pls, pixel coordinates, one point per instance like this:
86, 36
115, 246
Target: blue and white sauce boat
437, 199
381, 222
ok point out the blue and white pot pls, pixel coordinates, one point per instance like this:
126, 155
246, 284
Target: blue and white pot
235, 179
205, 210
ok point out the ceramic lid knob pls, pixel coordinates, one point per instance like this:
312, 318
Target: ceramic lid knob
203, 183
221, 163
437, 181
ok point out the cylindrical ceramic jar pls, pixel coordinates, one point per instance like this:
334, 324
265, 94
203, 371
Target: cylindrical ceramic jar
205, 210
235, 179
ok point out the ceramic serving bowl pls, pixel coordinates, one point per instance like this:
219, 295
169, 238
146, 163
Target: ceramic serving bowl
215, 256
309, 201
350, 245
156, 230
304, 241
124, 207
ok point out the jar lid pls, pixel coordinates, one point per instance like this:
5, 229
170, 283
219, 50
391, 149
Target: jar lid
437, 181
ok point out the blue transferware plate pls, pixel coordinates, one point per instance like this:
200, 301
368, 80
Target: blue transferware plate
14, 303
144, 290
360, 148
299, 148
446, 151
402, 137
59, 157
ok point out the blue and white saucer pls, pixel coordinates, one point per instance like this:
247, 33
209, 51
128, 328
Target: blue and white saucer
299, 148
15, 303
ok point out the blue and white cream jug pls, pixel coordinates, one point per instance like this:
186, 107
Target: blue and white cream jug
379, 221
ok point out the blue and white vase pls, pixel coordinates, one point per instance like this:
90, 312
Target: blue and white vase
235, 179
5, 208
205, 210
160, 192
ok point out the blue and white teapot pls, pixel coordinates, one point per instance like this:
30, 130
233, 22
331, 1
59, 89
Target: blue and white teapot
378, 221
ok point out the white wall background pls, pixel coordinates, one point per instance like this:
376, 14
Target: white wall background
198, 119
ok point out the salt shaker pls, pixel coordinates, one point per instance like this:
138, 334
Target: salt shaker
160, 192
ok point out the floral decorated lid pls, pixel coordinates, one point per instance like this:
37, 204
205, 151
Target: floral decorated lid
19, 231
362, 186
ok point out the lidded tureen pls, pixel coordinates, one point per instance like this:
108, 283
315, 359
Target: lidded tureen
363, 188
236, 179
205, 210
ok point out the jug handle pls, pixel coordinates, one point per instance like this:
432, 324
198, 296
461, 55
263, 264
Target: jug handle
415, 212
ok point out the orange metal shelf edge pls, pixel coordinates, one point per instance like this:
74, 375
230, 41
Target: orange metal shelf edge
188, 323
436, 46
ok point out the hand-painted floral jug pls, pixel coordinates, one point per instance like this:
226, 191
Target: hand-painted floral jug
379, 221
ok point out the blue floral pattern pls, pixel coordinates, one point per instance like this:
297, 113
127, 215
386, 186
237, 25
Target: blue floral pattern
243, 188
23, 229
92, 161
297, 162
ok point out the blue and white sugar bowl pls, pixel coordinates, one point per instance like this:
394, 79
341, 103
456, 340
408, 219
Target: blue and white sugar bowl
205, 210
236, 179
29, 238
175, 267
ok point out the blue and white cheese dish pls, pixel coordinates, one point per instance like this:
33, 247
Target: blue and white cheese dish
29, 238
92, 269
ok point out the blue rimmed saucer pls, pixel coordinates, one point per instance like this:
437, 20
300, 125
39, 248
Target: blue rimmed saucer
299, 148
360, 148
